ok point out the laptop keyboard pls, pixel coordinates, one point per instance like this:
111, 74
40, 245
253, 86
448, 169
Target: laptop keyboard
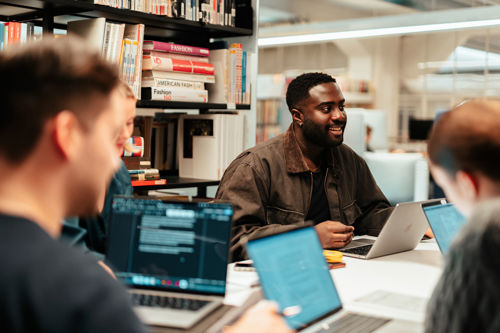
361, 250
167, 302
354, 323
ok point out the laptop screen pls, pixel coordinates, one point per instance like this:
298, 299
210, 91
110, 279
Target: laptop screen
445, 221
174, 246
295, 274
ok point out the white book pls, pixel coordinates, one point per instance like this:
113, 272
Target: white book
175, 94
178, 76
218, 92
171, 83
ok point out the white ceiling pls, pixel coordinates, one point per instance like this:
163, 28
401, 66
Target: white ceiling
299, 11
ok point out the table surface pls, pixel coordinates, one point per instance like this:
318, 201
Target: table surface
401, 283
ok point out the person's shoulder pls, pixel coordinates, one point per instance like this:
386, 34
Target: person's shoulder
478, 242
483, 224
58, 282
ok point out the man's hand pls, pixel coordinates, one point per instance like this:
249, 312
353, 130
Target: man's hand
262, 317
334, 235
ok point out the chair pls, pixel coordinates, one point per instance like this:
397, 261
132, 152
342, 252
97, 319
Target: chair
402, 177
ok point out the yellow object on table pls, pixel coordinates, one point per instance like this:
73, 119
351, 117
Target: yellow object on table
332, 256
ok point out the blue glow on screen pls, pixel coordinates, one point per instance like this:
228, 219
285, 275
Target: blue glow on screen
293, 271
445, 221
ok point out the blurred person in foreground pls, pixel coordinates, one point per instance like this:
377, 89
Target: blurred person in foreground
464, 154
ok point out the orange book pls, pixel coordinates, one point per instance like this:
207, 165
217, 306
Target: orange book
149, 182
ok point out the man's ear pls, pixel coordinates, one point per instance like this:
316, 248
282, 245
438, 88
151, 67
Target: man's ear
66, 133
468, 185
297, 116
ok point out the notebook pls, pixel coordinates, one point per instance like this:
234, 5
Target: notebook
298, 275
445, 221
402, 231
172, 255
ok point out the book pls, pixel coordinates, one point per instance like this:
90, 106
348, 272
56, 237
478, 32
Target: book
154, 74
135, 32
175, 48
174, 94
145, 176
91, 30
150, 62
174, 55
133, 162
143, 171
149, 182
218, 92
172, 83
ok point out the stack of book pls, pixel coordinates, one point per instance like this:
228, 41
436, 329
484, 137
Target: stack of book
15, 32
232, 68
120, 44
222, 12
141, 173
144, 174
173, 72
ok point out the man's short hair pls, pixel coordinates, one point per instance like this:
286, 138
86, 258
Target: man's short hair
298, 89
42, 78
468, 138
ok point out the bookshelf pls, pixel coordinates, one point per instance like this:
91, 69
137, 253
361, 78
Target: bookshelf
55, 14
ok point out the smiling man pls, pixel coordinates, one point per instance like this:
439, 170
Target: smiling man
305, 174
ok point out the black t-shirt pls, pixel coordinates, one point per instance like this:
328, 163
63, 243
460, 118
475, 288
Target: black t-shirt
46, 286
318, 210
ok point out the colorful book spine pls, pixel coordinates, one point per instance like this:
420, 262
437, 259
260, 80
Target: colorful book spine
148, 182
2, 34
162, 54
176, 65
175, 94
171, 83
175, 48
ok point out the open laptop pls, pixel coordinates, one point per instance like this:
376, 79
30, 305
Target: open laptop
173, 256
298, 275
445, 221
402, 231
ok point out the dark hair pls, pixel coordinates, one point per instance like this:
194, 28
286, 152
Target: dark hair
468, 138
42, 78
298, 89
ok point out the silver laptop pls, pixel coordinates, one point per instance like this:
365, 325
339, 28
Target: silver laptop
402, 231
445, 221
173, 256
298, 277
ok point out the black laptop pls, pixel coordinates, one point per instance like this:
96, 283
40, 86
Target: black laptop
172, 255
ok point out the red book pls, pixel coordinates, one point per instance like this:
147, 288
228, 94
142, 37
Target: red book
175, 48
149, 182
176, 65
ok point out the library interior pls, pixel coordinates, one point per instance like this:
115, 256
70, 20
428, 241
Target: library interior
250, 166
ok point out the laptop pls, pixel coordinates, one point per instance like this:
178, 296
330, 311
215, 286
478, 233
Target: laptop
402, 231
172, 255
445, 221
298, 276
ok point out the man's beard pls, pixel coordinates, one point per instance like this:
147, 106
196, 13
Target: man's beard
319, 135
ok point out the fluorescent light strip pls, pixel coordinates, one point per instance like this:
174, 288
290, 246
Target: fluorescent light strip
320, 37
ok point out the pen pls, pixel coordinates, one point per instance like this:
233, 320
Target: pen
291, 311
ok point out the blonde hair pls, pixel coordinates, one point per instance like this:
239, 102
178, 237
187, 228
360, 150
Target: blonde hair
126, 91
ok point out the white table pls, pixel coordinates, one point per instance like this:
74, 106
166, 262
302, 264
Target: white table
412, 273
